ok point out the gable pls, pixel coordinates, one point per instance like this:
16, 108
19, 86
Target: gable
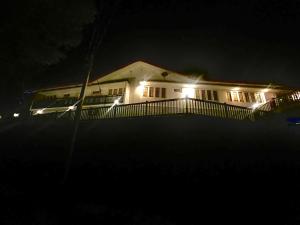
143, 71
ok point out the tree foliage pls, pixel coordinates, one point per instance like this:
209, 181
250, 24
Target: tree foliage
42, 31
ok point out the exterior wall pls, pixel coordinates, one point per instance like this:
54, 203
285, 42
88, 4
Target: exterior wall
134, 89
138, 87
133, 78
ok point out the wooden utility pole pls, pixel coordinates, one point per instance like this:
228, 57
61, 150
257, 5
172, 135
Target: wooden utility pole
77, 118
95, 42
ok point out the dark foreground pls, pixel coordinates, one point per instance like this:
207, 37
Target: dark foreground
178, 170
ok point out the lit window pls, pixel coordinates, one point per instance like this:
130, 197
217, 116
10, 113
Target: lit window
247, 97
258, 97
145, 92
120, 91
228, 95
163, 92
252, 96
157, 92
234, 96
215, 94
241, 97
198, 93
151, 91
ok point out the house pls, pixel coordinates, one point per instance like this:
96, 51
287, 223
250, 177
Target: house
141, 82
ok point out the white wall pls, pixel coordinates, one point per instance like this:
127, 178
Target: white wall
134, 91
137, 92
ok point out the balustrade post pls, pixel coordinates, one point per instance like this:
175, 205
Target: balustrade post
186, 105
226, 109
115, 109
146, 109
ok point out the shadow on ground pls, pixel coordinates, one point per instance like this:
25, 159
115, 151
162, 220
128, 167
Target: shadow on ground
166, 170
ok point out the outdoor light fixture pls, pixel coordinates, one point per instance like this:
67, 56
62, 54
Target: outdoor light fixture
72, 107
143, 83
255, 105
140, 88
116, 102
188, 92
265, 90
16, 115
40, 111
235, 89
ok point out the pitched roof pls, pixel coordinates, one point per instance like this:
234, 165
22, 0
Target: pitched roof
152, 72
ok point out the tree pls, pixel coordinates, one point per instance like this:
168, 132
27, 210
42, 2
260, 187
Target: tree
38, 33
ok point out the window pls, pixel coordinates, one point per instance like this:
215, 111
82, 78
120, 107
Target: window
66, 95
228, 96
177, 90
209, 97
157, 92
151, 91
258, 97
215, 94
154, 92
252, 97
247, 97
115, 91
203, 94
241, 97
120, 91
234, 96
51, 97
145, 92
163, 92
96, 92
110, 91
198, 93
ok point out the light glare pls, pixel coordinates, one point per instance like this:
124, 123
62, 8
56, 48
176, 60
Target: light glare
188, 92
16, 115
40, 111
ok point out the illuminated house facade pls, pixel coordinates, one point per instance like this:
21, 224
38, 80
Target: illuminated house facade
143, 82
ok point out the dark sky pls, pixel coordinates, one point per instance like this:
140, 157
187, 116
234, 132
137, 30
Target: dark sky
245, 40
255, 40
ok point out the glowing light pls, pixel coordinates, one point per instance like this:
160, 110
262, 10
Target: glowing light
265, 90
16, 115
255, 105
235, 89
140, 88
188, 92
40, 111
116, 102
72, 107
143, 83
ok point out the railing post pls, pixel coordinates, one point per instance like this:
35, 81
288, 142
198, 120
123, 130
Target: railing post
115, 109
186, 105
226, 110
146, 109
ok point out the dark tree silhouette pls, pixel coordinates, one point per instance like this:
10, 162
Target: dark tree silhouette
35, 34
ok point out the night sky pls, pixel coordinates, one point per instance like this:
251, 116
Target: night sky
232, 40
255, 40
